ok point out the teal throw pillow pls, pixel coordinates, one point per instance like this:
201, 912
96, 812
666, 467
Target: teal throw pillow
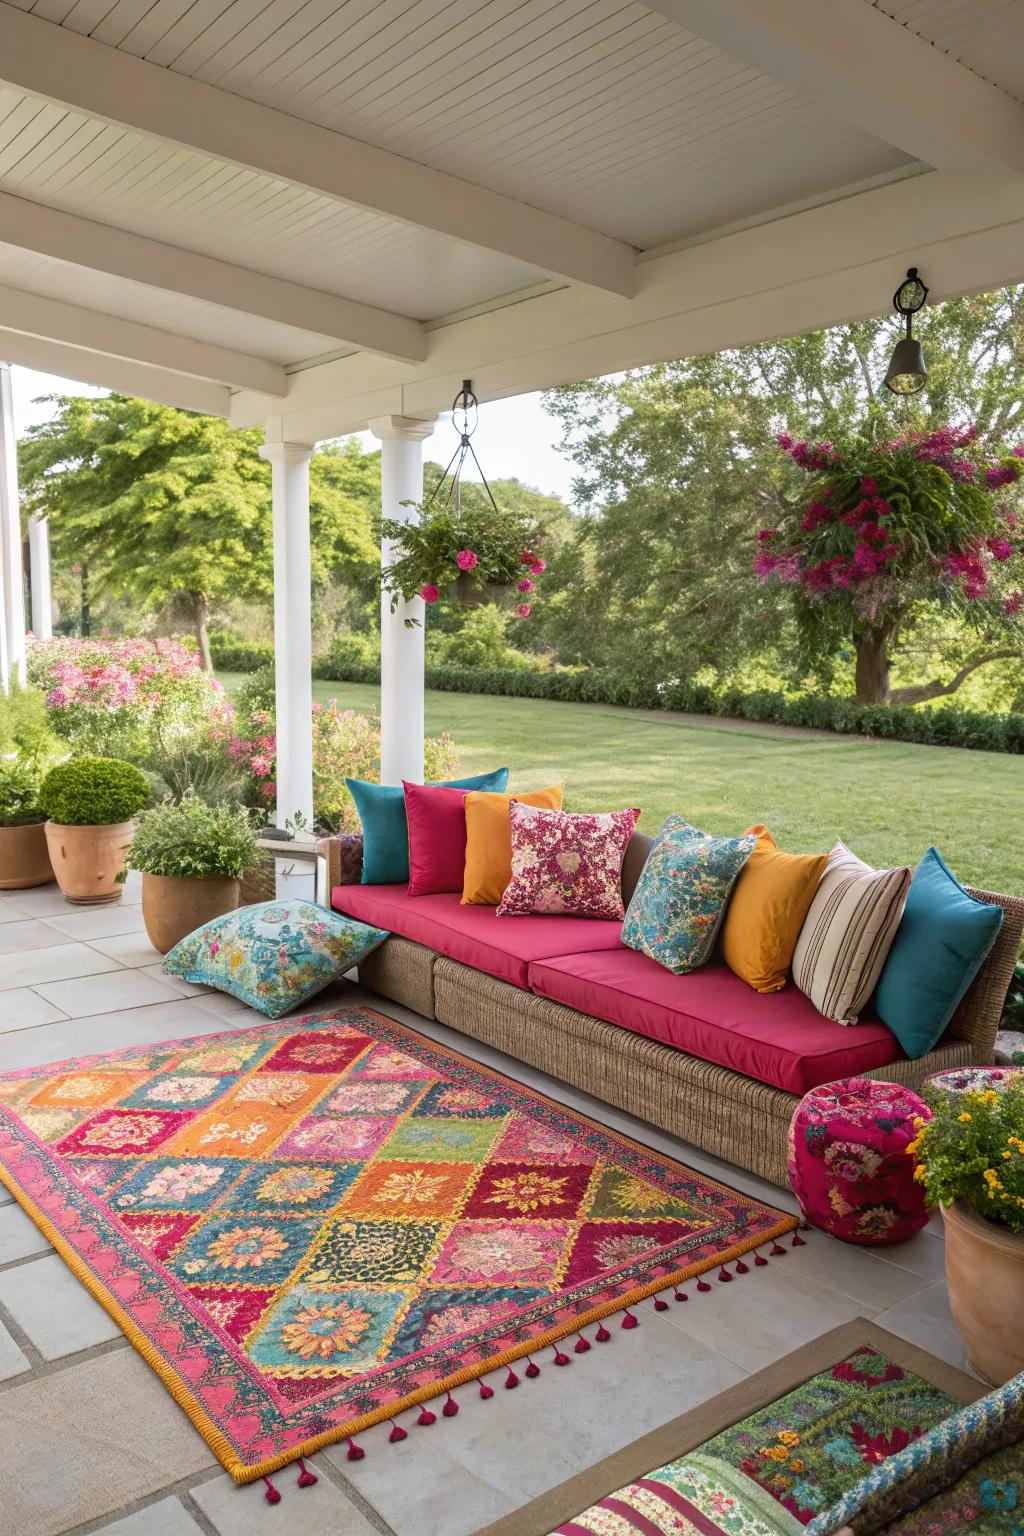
681, 896
943, 939
381, 810
274, 955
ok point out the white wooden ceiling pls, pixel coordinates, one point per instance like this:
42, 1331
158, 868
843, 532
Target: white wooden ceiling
517, 143
987, 36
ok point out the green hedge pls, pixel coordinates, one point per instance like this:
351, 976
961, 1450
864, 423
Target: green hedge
947, 726
233, 655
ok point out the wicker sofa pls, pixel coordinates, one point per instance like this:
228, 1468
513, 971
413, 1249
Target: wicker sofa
498, 999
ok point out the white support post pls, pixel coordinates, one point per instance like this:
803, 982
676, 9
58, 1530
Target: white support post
39, 569
401, 647
11, 566
293, 642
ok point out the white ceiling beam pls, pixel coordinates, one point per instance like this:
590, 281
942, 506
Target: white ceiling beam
868, 70
125, 378
104, 248
822, 266
31, 314
53, 62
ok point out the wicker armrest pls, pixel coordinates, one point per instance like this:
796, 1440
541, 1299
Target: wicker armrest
343, 856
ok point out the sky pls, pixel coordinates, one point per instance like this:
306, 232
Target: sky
514, 437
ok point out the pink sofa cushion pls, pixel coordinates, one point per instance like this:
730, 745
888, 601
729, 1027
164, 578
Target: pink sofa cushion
501, 946
776, 1037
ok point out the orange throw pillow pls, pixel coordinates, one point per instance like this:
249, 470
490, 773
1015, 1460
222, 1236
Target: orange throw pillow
489, 841
767, 911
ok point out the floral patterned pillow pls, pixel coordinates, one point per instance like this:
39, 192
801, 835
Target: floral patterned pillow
274, 955
681, 896
567, 863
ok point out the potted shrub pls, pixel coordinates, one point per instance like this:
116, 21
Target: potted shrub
192, 856
91, 803
24, 860
971, 1161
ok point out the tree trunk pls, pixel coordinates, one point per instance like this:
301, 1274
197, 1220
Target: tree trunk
85, 621
920, 693
872, 672
200, 612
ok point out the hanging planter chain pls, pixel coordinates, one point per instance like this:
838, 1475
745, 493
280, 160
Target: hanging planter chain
465, 403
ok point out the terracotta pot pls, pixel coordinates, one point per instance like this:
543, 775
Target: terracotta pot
88, 860
985, 1276
24, 860
172, 908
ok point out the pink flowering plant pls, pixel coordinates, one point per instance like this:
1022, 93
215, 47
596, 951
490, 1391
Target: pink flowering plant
127, 698
883, 530
468, 552
346, 744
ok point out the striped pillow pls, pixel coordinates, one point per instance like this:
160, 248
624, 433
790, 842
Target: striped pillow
846, 935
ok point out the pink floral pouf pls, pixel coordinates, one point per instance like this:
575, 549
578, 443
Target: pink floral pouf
848, 1161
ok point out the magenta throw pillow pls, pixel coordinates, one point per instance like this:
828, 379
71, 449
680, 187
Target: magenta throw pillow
567, 863
437, 838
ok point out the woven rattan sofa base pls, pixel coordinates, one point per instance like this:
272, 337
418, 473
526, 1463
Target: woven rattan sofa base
402, 971
722, 1112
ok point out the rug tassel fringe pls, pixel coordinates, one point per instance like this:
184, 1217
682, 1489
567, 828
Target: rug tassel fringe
628, 1320
450, 1408
486, 1391
306, 1478
560, 1357
511, 1380
426, 1417
532, 1368
798, 1241
777, 1251
272, 1494
582, 1345
602, 1335
397, 1433
355, 1452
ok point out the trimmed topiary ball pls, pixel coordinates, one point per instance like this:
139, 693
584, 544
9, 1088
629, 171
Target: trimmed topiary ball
93, 792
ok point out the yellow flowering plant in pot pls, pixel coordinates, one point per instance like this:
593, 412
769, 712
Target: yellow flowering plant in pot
970, 1160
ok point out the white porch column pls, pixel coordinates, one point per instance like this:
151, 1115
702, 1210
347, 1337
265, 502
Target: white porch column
11, 569
293, 641
39, 571
401, 648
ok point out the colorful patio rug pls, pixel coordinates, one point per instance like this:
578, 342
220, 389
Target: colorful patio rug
309, 1226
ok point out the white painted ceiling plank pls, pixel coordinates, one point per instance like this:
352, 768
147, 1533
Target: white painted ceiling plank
232, 52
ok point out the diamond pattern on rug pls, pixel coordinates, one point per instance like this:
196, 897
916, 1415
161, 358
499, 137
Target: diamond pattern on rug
306, 1226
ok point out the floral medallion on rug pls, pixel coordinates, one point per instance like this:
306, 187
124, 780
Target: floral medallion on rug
308, 1226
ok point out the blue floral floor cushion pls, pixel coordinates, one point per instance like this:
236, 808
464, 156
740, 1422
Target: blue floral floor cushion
274, 955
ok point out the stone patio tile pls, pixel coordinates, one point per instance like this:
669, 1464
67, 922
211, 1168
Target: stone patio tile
21, 1008
57, 963
99, 922
55, 1309
28, 933
857, 1272
461, 1473
19, 1235
10, 912
12, 1361
131, 949
322, 1510
178, 1019
923, 1255
167, 1517
926, 1320
108, 993
176, 983
220, 1004
131, 891
763, 1315
83, 1443
42, 901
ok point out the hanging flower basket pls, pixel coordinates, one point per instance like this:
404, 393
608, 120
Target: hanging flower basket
463, 551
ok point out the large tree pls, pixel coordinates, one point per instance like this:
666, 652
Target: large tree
679, 467
167, 504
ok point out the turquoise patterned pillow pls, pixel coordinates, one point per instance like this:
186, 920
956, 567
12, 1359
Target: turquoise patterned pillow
681, 896
274, 955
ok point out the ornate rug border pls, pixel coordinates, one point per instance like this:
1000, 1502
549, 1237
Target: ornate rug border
247, 1473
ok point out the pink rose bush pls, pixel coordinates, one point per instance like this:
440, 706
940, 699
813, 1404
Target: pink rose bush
126, 698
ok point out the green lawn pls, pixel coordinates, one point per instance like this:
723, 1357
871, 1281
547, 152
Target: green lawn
887, 800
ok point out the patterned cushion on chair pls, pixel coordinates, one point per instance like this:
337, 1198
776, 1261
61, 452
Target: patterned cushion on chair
275, 955
848, 1160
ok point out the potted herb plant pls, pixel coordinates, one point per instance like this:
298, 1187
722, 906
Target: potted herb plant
24, 860
192, 856
91, 803
971, 1162
472, 553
